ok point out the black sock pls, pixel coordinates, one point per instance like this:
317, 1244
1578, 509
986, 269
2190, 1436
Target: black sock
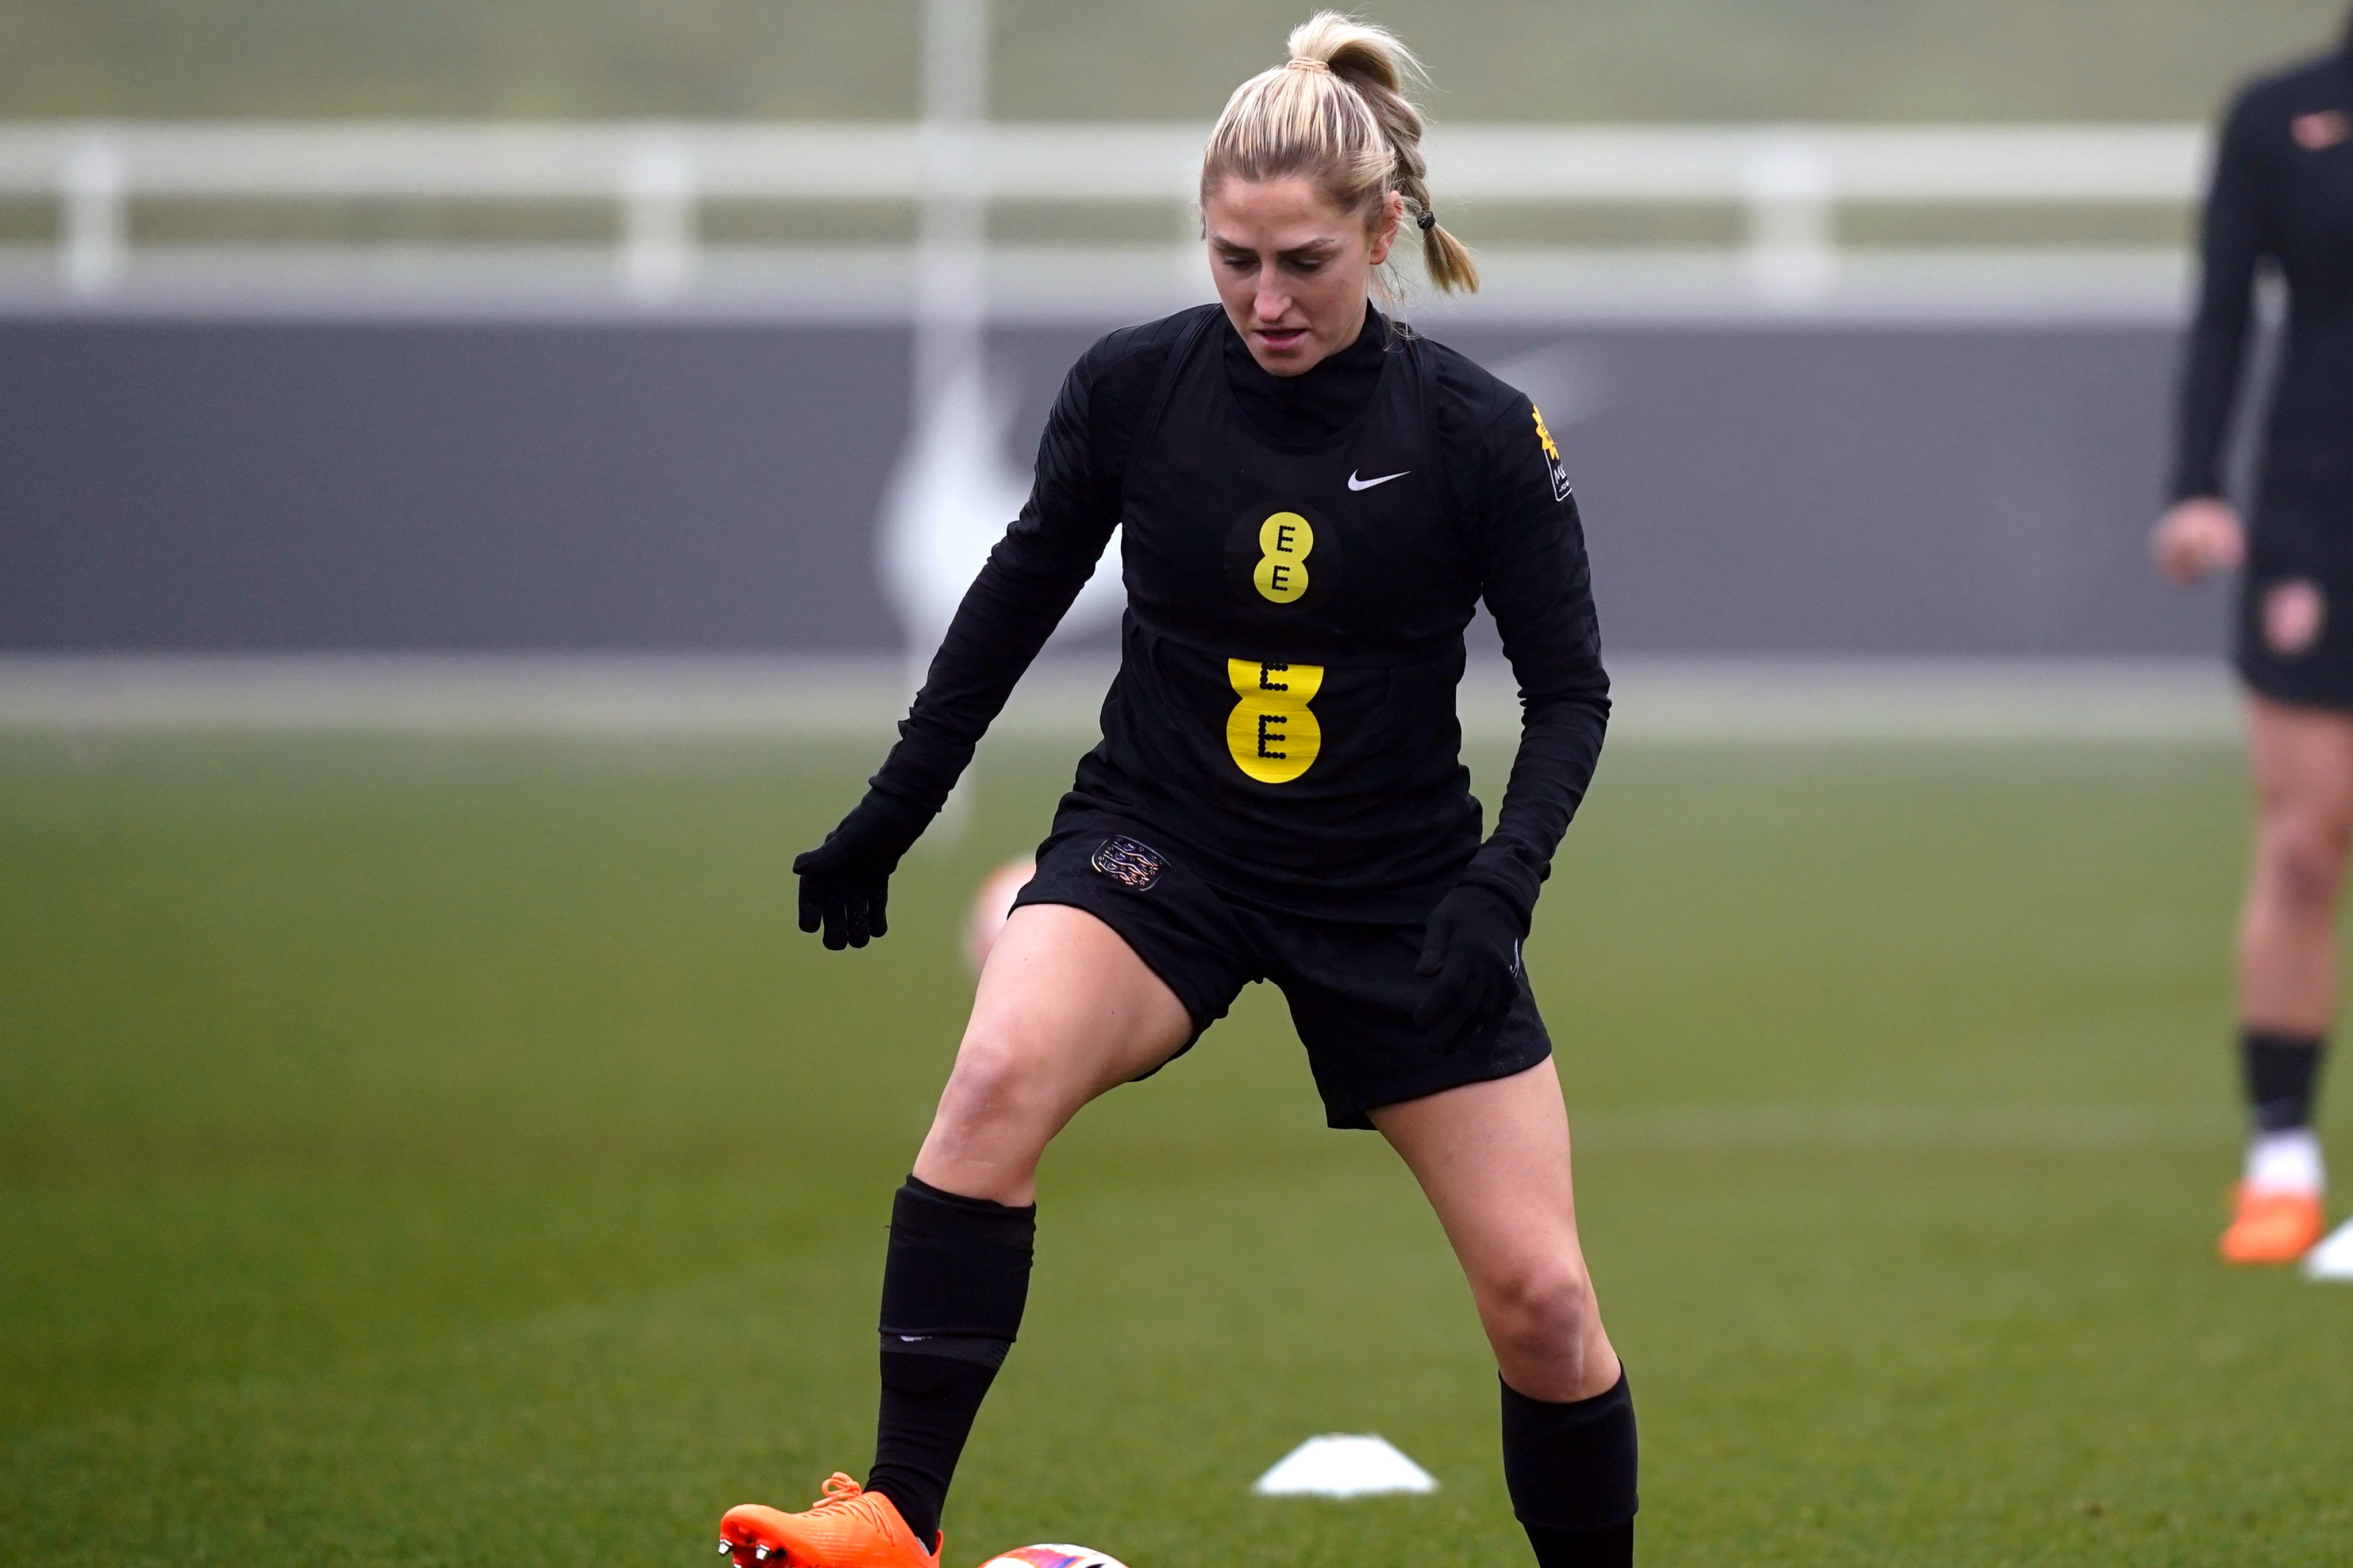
928, 1405
954, 1284
2282, 1072
1570, 1470
1611, 1546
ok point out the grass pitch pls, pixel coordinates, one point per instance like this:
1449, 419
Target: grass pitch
446, 1152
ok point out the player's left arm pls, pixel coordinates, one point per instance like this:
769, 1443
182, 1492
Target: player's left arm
1529, 546
1536, 582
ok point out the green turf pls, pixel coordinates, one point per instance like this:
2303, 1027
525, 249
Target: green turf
446, 1152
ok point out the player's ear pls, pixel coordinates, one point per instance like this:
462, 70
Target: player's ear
1386, 219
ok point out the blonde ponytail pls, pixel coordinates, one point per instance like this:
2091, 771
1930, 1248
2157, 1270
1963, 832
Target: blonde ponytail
1336, 112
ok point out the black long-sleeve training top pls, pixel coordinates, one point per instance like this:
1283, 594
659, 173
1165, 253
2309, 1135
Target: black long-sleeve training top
2283, 192
1301, 557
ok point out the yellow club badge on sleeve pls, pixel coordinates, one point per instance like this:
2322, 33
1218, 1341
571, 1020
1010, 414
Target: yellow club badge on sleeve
1552, 464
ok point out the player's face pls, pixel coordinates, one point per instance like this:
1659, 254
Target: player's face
1291, 268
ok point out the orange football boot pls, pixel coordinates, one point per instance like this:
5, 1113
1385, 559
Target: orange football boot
2271, 1226
849, 1527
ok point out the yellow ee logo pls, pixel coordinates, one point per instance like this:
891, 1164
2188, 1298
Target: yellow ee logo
1270, 733
1283, 542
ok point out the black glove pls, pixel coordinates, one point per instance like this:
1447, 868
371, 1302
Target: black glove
846, 880
1472, 954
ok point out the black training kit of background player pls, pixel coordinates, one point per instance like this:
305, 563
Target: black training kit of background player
2283, 192
1284, 714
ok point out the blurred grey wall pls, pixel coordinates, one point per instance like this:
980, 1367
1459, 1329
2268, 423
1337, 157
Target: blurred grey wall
1800, 489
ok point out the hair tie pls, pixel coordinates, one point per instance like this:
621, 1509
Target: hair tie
1306, 65
1427, 220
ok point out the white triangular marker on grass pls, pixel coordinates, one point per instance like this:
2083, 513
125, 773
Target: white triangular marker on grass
1341, 1466
2333, 1258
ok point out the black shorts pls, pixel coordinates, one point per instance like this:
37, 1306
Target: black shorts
1352, 988
2295, 636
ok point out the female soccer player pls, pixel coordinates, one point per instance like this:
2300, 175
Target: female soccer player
1313, 501
2283, 191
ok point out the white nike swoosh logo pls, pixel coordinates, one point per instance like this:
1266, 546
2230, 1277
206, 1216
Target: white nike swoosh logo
1356, 484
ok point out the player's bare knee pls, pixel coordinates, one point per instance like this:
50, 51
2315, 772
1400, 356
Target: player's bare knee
2302, 864
995, 1085
1541, 1314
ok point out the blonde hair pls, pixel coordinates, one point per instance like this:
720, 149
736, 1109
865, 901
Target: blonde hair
1336, 113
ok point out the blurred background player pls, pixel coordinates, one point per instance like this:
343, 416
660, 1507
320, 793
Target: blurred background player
2282, 195
1314, 501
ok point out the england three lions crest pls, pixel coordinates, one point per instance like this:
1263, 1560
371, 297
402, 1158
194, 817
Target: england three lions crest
1126, 862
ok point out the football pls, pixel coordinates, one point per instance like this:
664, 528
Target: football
1053, 1557
991, 905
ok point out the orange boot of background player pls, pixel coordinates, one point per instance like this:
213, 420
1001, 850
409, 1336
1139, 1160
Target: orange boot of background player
848, 1528
2271, 1226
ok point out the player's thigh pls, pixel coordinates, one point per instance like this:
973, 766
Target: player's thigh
2302, 759
1493, 1160
1065, 1011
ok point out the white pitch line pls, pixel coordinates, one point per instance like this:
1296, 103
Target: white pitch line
1749, 702
1803, 701
1902, 1128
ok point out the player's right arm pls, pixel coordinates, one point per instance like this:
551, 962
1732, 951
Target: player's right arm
2201, 532
1015, 604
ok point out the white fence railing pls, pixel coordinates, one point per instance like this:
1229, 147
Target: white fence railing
1789, 181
